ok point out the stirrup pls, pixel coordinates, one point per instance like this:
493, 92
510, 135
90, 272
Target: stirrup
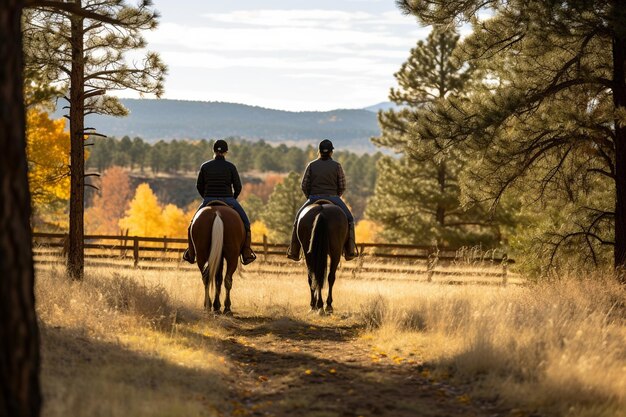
293, 257
187, 257
245, 261
351, 256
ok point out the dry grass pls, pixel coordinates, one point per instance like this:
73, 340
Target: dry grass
111, 346
559, 348
136, 343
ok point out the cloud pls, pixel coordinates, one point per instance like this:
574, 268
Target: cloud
310, 58
322, 18
303, 39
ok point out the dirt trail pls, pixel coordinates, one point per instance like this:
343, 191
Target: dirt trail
286, 367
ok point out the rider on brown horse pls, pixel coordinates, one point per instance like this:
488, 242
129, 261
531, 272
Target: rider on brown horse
218, 179
324, 179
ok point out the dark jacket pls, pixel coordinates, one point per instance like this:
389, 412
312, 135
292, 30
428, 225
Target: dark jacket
218, 178
323, 177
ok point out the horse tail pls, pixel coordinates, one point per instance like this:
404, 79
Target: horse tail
319, 249
215, 253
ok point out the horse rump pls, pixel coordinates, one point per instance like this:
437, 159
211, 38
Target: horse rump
318, 251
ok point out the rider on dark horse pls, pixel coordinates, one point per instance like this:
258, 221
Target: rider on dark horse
219, 180
324, 179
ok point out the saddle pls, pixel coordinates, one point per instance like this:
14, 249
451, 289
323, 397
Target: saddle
216, 203
323, 201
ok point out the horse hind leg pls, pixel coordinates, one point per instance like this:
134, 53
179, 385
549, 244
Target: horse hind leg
228, 284
207, 296
320, 302
334, 263
218, 287
313, 301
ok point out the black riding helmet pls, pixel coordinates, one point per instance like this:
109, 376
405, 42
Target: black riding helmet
325, 146
220, 145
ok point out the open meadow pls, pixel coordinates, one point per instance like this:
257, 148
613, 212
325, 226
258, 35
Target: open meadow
135, 342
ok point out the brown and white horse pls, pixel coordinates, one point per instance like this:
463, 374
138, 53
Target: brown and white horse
218, 235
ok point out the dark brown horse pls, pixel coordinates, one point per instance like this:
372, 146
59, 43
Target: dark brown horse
217, 234
322, 230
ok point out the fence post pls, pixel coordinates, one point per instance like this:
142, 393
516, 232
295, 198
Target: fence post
264, 248
505, 269
123, 242
66, 244
135, 251
359, 264
433, 258
164, 246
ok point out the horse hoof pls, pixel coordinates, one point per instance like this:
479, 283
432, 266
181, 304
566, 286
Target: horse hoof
228, 313
312, 310
329, 310
217, 312
321, 312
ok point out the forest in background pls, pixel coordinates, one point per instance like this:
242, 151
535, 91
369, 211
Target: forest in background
149, 189
497, 152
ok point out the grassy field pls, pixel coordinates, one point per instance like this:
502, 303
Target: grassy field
135, 343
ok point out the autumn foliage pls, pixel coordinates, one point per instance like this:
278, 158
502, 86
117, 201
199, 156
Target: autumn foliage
47, 149
111, 204
146, 216
263, 189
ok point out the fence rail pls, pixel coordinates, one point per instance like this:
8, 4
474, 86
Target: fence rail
152, 249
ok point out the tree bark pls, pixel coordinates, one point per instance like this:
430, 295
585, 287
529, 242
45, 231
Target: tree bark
619, 100
76, 253
19, 336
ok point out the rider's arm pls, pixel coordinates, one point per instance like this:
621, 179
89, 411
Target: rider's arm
306, 181
200, 183
236, 182
341, 180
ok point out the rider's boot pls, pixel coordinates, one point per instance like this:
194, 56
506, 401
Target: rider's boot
189, 255
350, 251
293, 252
247, 255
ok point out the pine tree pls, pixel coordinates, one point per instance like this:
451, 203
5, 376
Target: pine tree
550, 120
82, 45
253, 205
19, 334
282, 207
417, 196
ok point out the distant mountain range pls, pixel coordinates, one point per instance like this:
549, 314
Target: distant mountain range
153, 120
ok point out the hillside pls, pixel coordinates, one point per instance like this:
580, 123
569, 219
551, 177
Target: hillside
176, 119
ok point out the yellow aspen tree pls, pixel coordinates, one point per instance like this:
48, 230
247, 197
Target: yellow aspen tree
175, 221
143, 217
47, 149
367, 231
258, 230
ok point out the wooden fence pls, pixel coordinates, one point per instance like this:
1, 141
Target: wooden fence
375, 258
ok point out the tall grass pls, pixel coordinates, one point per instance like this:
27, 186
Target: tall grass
557, 348
135, 342
113, 345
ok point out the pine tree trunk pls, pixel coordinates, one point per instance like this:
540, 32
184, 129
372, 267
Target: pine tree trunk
76, 255
19, 337
441, 180
619, 100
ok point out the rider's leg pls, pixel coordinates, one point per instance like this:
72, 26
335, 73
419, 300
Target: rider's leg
247, 255
350, 250
190, 254
293, 252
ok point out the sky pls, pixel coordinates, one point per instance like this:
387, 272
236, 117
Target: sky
283, 54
